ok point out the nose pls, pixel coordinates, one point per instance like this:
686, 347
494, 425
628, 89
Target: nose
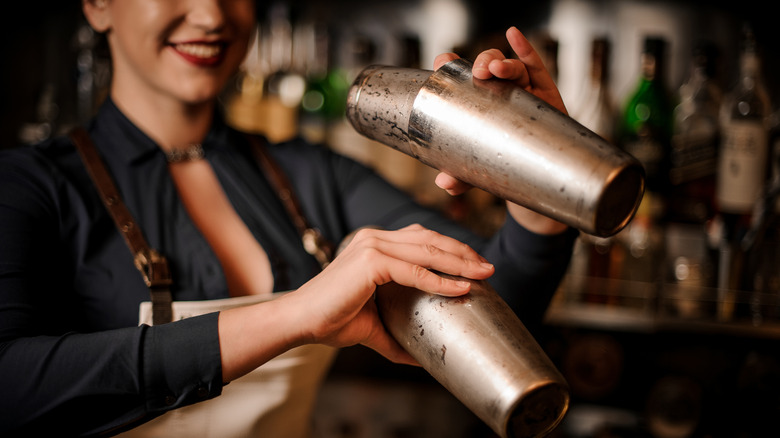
208, 15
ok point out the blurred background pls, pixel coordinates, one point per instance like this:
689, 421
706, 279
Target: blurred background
668, 329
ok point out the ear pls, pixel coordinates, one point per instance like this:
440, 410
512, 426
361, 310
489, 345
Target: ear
96, 12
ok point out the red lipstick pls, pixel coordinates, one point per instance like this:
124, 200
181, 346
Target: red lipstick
200, 53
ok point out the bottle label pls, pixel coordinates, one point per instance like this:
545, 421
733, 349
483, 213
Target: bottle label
693, 151
742, 165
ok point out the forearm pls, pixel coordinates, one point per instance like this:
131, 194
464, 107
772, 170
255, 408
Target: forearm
251, 336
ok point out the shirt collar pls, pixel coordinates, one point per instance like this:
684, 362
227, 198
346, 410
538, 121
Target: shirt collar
125, 141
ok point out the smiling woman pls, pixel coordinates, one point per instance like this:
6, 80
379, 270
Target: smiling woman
220, 230
171, 53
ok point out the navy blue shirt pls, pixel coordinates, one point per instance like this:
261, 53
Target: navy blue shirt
71, 350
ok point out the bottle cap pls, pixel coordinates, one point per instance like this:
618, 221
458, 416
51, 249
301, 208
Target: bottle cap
655, 45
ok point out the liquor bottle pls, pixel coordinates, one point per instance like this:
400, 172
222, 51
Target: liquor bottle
761, 243
594, 107
284, 84
595, 110
646, 127
351, 53
695, 140
744, 149
243, 95
314, 115
742, 168
645, 132
326, 82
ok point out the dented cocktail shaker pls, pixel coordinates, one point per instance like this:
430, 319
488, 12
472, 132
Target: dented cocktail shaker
496, 136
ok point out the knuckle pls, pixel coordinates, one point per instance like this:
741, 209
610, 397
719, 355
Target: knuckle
370, 254
429, 234
363, 234
414, 227
492, 53
431, 250
419, 272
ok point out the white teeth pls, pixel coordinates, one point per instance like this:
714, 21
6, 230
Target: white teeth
199, 50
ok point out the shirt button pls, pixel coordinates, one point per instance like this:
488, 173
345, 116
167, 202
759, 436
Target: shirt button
202, 392
169, 400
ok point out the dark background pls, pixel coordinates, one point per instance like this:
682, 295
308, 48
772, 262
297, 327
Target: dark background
40, 46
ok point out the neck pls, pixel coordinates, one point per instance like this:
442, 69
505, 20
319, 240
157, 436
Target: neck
170, 123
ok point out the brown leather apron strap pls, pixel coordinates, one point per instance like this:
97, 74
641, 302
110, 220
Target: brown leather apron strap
313, 241
152, 265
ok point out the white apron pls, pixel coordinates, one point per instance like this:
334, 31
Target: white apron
276, 400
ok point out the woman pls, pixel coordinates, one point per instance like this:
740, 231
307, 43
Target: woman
72, 355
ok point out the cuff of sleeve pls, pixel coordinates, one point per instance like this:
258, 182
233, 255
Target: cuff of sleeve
182, 363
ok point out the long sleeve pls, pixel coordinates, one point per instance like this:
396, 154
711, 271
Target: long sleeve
54, 370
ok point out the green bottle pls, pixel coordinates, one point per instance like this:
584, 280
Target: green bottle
645, 131
646, 127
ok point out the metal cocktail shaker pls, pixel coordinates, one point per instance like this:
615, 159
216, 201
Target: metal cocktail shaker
496, 136
478, 349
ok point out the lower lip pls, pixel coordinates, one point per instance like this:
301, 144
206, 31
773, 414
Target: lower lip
204, 62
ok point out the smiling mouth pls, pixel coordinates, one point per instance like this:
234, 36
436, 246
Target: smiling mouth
200, 50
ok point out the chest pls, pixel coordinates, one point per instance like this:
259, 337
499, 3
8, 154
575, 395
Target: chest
108, 284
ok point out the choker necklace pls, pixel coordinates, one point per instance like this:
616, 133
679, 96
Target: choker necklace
192, 152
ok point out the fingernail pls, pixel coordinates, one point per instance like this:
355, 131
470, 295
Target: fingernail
480, 70
480, 66
463, 284
486, 265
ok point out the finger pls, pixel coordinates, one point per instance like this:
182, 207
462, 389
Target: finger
434, 258
525, 52
450, 184
511, 69
378, 338
443, 59
383, 343
413, 234
480, 69
418, 235
395, 354
392, 351
419, 277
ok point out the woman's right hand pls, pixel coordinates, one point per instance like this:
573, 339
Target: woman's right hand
336, 307
342, 309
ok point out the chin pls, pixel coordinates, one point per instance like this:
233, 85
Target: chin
196, 95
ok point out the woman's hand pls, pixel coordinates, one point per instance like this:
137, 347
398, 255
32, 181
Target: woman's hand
529, 72
336, 307
345, 313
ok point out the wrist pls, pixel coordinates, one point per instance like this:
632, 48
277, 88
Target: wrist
251, 336
535, 222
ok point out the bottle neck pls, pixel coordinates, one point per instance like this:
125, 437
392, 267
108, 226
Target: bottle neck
598, 63
650, 68
750, 66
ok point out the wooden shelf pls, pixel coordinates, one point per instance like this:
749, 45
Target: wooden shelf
652, 308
